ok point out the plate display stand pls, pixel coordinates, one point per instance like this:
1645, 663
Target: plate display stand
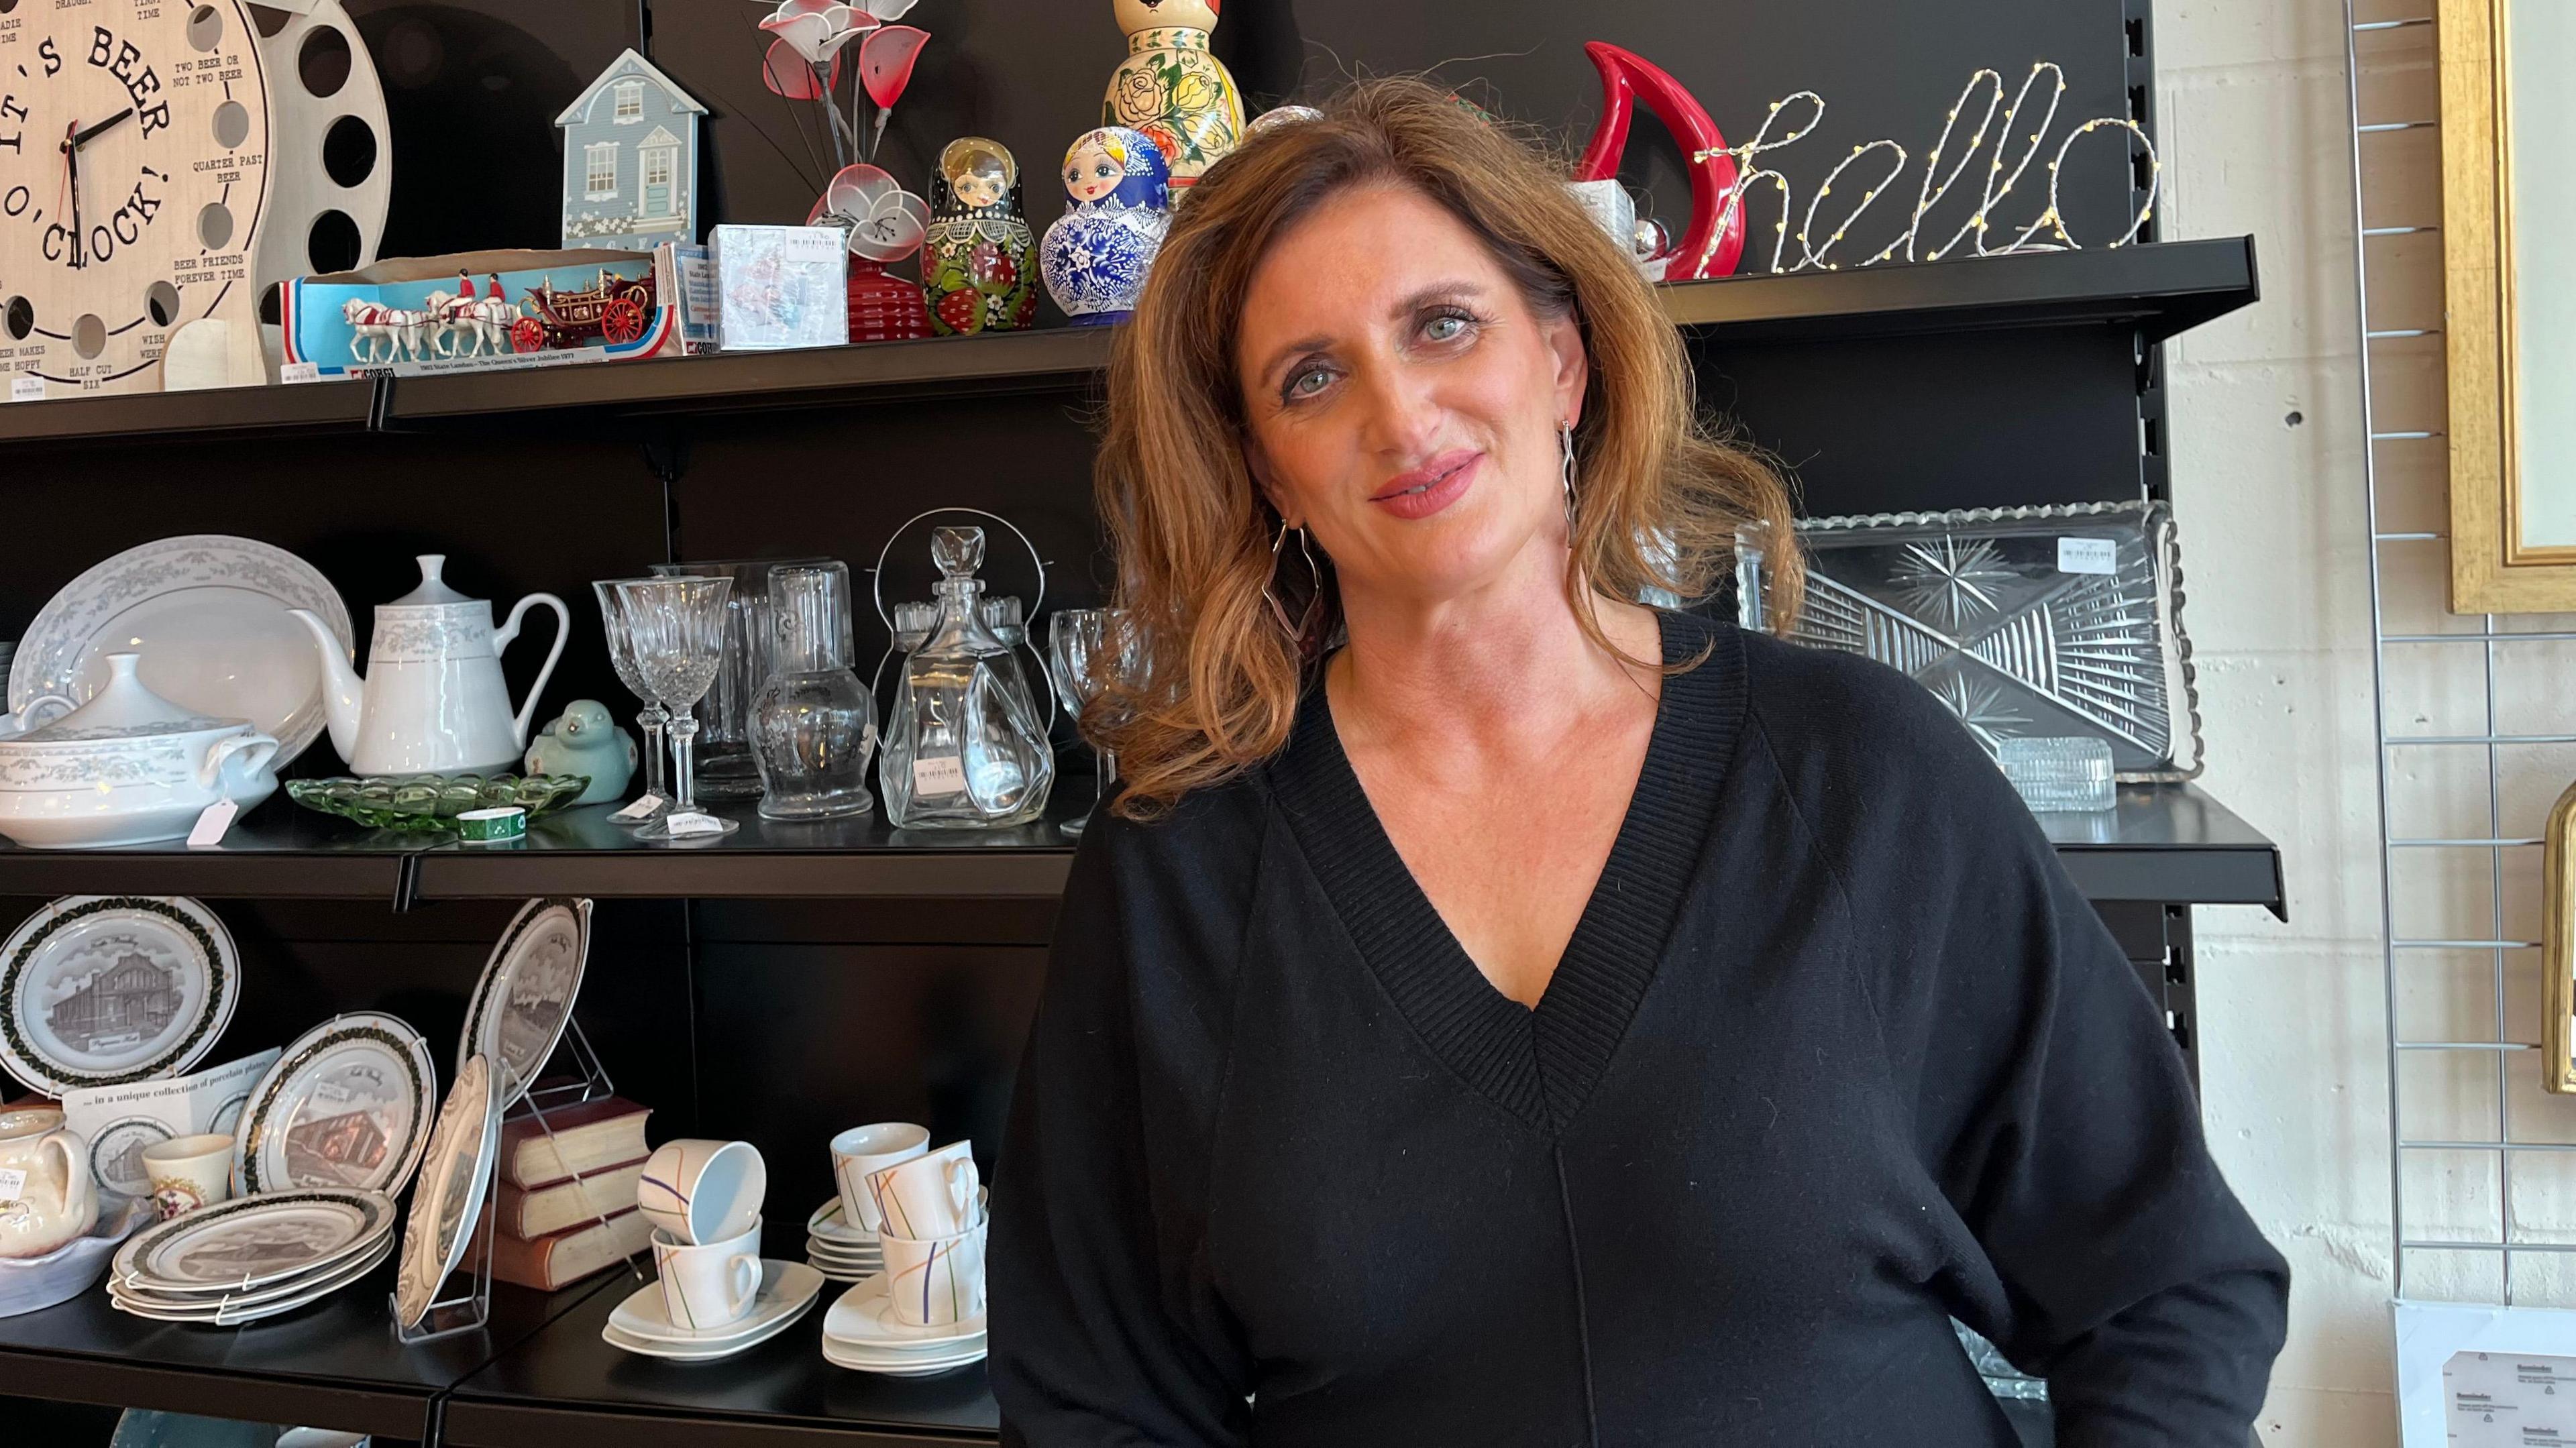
467, 1305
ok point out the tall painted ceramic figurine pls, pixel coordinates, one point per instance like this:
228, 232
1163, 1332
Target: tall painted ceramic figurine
1098, 252
979, 262
1172, 89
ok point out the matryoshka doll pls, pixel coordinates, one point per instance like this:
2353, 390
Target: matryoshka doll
1172, 89
979, 263
1098, 252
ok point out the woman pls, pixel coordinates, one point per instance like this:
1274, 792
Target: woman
1540, 1020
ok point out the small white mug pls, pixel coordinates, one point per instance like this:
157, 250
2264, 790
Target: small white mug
862, 1150
188, 1172
702, 1191
937, 1281
929, 1196
711, 1285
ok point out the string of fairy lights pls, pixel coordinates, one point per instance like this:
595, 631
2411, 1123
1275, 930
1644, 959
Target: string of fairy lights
1996, 186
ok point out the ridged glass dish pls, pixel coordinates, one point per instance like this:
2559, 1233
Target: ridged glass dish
427, 804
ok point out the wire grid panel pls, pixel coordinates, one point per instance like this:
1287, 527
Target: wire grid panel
2472, 746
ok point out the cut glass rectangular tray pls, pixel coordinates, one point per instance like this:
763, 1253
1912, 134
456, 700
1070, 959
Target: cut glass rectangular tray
2028, 622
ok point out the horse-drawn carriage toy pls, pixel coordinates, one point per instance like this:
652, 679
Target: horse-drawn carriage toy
617, 311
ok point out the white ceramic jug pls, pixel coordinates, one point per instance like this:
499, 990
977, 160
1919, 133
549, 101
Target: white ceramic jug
45, 1194
433, 700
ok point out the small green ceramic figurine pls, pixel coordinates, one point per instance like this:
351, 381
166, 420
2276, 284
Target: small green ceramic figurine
585, 740
979, 262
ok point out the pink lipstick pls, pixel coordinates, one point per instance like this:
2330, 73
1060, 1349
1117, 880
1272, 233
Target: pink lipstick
1431, 487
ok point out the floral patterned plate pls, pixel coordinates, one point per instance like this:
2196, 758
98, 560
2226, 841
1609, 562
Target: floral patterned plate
428, 804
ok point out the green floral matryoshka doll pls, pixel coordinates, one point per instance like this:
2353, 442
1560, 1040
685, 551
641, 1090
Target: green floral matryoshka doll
979, 259
1172, 89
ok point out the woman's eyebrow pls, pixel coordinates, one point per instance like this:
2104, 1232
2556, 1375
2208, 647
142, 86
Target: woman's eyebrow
1281, 357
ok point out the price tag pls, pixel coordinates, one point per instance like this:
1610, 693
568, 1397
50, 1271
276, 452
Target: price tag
212, 824
26, 387
693, 823
644, 808
13, 1184
2087, 555
292, 372
942, 774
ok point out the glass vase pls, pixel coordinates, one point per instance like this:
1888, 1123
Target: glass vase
813, 724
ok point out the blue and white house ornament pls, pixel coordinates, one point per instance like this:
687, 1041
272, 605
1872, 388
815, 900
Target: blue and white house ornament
1096, 255
630, 177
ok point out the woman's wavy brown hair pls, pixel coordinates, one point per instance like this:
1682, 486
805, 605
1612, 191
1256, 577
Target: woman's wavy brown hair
1659, 498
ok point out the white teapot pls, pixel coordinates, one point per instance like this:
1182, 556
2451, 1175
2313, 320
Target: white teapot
45, 1194
433, 701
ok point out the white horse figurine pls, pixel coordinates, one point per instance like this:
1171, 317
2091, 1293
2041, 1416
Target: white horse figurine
470, 326
384, 333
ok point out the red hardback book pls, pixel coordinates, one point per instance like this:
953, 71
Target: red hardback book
567, 1256
573, 1141
528, 1212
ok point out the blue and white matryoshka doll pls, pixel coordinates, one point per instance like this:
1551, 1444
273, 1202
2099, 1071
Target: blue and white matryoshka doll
1096, 255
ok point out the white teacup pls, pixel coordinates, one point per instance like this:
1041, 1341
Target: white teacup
936, 1281
703, 1191
708, 1286
929, 1196
188, 1172
862, 1150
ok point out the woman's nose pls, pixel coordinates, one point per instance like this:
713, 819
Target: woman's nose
1403, 416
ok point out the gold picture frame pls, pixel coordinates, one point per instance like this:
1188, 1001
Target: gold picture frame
2558, 948
2493, 568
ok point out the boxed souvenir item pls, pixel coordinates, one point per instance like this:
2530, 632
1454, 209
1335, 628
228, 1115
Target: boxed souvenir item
478, 311
781, 286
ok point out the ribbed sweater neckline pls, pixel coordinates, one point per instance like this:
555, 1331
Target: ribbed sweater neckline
1539, 1064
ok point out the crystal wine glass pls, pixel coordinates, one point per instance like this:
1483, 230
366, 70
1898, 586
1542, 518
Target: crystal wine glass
677, 628
621, 656
1080, 645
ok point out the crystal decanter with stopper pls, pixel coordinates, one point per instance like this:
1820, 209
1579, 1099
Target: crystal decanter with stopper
967, 746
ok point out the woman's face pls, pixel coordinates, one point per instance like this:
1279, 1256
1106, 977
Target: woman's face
1403, 400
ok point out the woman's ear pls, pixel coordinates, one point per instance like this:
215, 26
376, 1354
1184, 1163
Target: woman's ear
1564, 339
1258, 465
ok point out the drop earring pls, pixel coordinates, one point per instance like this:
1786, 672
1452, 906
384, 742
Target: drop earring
1296, 631
1565, 439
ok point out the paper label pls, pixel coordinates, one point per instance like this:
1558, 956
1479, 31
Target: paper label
642, 809
212, 824
940, 774
26, 387
292, 372
684, 825
2087, 555
13, 1184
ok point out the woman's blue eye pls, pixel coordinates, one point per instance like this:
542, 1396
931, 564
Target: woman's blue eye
1453, 325
1298, 385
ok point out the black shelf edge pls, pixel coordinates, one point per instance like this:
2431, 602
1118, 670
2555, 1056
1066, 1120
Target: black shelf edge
2170, 844
166, 417
2160, 288
275, 852
334, 1364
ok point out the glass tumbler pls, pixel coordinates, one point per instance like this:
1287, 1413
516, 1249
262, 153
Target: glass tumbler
726, 769
813, 724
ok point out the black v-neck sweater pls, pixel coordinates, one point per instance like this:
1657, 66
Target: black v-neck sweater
1836, 1053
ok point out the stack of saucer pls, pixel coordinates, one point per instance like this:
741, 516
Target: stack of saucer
642, 1323
861, 1331
838, 1249
241, 1260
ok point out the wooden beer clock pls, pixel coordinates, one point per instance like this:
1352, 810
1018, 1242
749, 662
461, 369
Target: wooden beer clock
134, 177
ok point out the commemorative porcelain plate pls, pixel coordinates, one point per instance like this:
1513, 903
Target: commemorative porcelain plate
105, 990
524, 1000
786, 1290
256, 1241
347, 1105
208, 613
453, 1176
230, 1309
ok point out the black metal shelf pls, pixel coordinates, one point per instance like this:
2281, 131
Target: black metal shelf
564, 1385
334, 1364
2167, 843
2160, 289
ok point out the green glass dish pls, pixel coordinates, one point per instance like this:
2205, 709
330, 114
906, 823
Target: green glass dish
428, 804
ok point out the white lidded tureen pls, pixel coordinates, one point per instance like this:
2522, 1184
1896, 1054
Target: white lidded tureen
127, 768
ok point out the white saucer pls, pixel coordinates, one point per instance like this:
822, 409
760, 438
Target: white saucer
826, 1226
674, 1352
817, 1247
840, 1355
864, 1316
786, 1290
